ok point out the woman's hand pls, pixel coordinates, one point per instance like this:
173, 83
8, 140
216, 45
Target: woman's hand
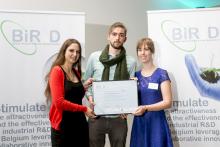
140, 110
90, 113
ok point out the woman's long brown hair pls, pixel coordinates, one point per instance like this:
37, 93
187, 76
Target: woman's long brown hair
60, 61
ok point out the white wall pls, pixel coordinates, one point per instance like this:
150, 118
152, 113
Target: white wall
99, 15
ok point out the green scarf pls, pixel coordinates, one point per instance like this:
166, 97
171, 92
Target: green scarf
121, 71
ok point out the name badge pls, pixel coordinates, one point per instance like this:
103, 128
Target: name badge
153, 86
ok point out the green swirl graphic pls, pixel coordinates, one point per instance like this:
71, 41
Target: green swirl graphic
10, 43
167, 37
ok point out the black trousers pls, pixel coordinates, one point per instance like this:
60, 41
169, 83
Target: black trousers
56, 138
116, 128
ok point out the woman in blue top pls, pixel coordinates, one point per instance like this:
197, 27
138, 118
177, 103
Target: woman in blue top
150, 127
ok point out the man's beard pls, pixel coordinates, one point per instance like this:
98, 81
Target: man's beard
116, 47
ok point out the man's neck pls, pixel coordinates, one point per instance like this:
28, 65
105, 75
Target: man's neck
113, 51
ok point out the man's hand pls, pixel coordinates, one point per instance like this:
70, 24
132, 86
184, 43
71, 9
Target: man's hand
123, 116
91, 102
89, 113
88, 83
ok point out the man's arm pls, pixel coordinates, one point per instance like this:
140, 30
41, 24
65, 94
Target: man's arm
132, 66
89, 73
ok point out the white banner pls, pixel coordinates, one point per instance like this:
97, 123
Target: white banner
29, 41
188, 45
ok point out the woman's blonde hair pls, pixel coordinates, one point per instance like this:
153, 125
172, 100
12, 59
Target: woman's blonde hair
146, 41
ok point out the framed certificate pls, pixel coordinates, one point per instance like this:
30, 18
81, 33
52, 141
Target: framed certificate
115, 97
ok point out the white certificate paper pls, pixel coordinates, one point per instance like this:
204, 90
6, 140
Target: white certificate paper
115, 97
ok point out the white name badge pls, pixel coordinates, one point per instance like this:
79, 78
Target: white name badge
153, 86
